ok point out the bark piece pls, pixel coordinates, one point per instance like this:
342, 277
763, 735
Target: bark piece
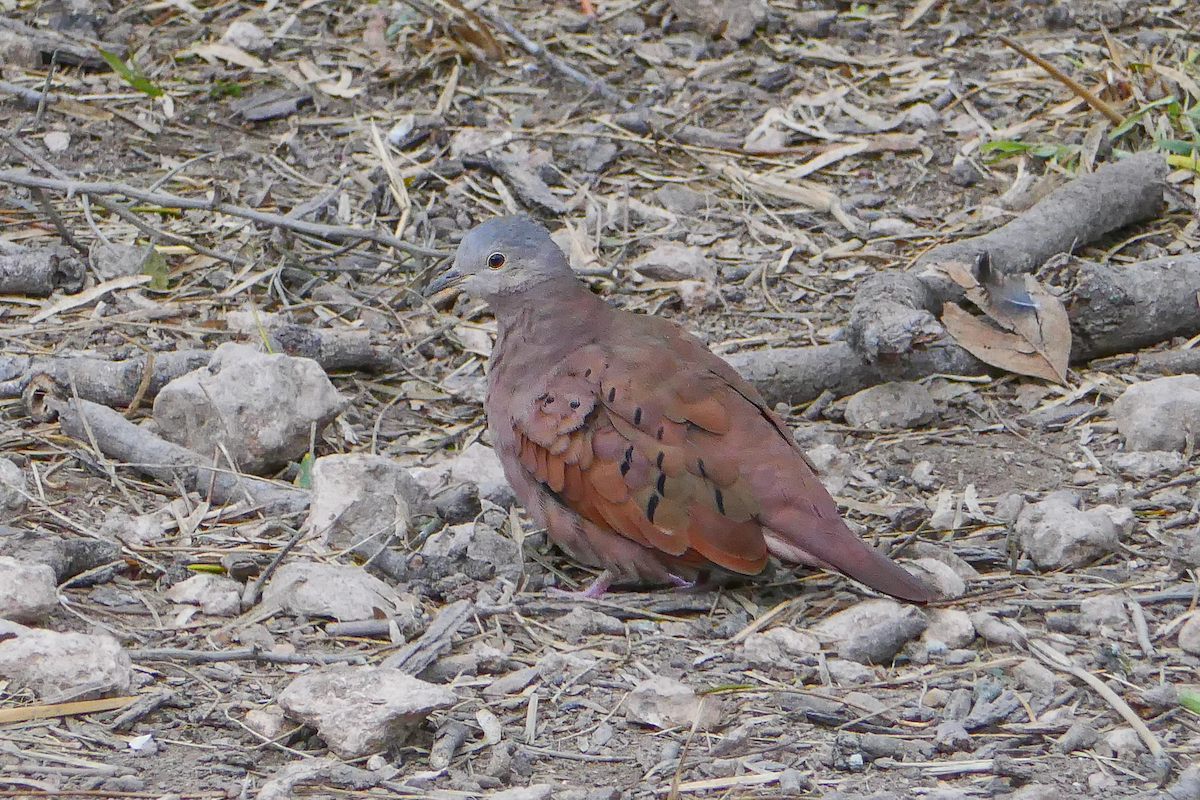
126, 443
110, 383
888, 318
41, 272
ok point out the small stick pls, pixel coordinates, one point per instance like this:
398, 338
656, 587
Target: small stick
175, 201
554, 62
1057, 659
1140, 627
1075, 86
239, 654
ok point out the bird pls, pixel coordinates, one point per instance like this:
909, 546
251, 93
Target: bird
639, 451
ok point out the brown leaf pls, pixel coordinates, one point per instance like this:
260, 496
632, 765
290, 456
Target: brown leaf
1036, 336
471, 29
1034, 341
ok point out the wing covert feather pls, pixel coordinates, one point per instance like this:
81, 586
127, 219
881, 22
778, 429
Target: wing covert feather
644, 458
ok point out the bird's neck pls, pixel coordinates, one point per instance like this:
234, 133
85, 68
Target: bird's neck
559, 310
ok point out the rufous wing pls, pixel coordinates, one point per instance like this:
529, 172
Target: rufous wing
644, 458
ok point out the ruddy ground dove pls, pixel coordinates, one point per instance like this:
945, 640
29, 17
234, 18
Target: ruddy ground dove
639, 450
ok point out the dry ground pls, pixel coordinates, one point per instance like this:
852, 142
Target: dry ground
368, 65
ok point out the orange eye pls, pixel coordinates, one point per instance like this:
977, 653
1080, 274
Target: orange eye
496, 260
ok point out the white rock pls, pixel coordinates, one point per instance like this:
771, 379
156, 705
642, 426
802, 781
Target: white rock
941, 576
215, 594
28, 592
1156, 415
665, 703
359, 496
854, 620
360, 710
1122, 742
846, 673
1189, 635
137, 530
950, 626
479, 543
1147, 463
13, 490
779, 647
922, 475
260, 407
534, 791
832, 465
1056, 535
478, 464
996, 631
57, 141
891, 405
676, 262
342, 592
62, 667
697, 294
267, 722
1105, 609
247, 36
891, 226
1034, 676
735, 20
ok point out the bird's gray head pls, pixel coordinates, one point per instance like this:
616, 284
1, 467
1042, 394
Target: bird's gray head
503, 256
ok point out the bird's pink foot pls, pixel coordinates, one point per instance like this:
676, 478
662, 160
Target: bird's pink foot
594, 591
680, 584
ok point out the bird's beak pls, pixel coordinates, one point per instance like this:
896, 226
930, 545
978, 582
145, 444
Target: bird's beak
449, 278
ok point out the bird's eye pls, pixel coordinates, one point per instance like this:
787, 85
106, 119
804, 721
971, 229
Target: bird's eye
496, 260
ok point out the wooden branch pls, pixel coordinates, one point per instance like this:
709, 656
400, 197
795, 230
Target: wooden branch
321, 231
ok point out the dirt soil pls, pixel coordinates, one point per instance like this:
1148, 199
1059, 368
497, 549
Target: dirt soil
671, 146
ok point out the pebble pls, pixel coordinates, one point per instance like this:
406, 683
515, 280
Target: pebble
950, 626
361, 710
891, 405
1057, 535
215, 594
13, 490
1189, 636
63, 667
675, 262
28, 592
261, 408
1157, 414
1147, 463
662, 702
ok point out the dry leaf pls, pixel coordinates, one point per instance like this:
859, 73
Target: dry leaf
1033, 339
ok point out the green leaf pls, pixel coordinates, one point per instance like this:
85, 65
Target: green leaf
221, 89
155, 266
304, 476
1047, 151
1132, 119
1190, 700
132, 75
1176, 146
1005, 146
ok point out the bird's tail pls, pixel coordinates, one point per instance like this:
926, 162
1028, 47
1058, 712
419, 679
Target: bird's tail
835, 546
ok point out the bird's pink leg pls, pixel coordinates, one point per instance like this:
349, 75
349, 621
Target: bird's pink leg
602, 582
681, 584
593, 591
